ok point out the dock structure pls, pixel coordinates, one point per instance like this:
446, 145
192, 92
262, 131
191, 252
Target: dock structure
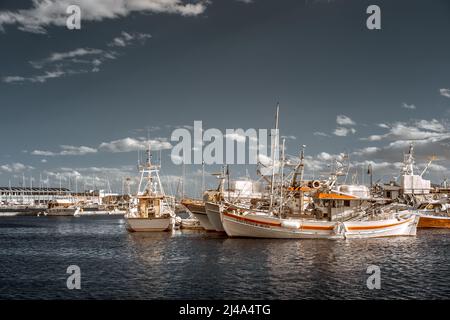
32, 195
42, 195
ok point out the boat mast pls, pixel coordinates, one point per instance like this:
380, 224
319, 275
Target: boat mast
228, 182
203, 179
148, 167
300, 167
282, 177
183, 177
275, 143
408, 163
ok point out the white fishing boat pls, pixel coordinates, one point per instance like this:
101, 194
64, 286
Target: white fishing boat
241, 192
198, 210
62, 207
338, 212
246, 223
190, 224
150, 210
213, 210
434, 214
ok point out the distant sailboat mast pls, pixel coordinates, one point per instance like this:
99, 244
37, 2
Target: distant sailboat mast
282, 177
275, 143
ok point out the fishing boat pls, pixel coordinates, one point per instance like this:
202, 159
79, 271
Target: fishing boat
150, 210
62, 207
190, 224
213, 211
434, 214
339, 212
198, 210
239, 222
242, 192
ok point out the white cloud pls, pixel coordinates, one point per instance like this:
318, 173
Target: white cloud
433, 125
76, 151
41, 78
12, 79
366, 151
66, 150
408, 106
76, 61
445, 92
414, 130
132, 144
126, 39
80, 52
15, 167
43, 153
343, 132
344, 121
44, 14
324, 156
320, 134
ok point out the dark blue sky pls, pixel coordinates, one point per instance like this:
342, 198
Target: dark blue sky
227, 65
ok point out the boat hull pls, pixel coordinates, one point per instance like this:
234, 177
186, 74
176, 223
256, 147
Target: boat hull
213, 213
264, 226
148, 224
429, 221
253, 226
199, 211
190, 224
64, 212
382, 228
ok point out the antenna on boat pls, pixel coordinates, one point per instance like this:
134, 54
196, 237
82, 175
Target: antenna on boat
370, 173
432, 158
408, 161
149, 166
300, 167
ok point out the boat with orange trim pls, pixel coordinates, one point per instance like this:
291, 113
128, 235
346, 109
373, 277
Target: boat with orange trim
241, 222
434, 214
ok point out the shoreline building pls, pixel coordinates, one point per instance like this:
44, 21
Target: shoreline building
31, 195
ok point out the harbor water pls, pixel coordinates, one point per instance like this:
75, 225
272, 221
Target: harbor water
36, 251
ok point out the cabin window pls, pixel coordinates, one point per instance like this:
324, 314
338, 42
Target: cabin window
346, 203
388, 194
